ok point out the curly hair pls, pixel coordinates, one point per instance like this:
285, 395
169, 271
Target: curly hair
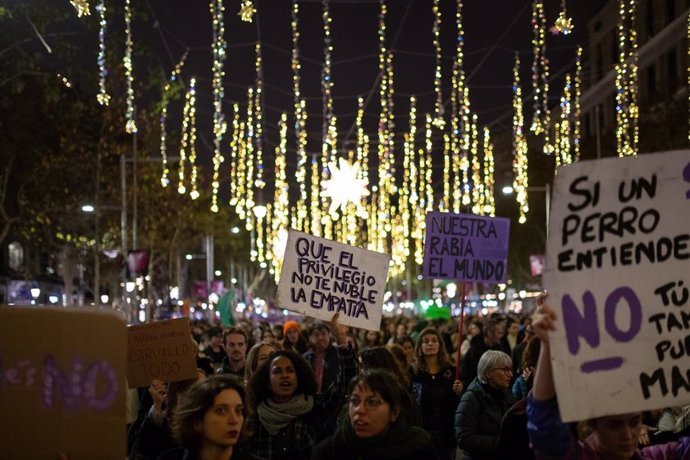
260, 384
196, 401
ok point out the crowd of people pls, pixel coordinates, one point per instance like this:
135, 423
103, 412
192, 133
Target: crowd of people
310, 389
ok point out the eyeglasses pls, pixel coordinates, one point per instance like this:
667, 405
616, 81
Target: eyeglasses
507, 369
369, 403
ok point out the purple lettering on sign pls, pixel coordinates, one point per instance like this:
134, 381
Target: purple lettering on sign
580, 325
612, 302
606, 364
686, 177
78, 387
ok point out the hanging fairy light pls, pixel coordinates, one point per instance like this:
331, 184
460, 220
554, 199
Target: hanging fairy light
329, 130
188, 134
489, 203
259, 131
540, 70
520, 182
563, 24
102, 97
444, 203
250, 142
247, 10
456, 95
627, 110
439, 122
300, 221
174, 75
563, 128
82, 7
131, 125
315, 211
235, 142
218, 47
408, 194
281, 207
577, 109
477, 185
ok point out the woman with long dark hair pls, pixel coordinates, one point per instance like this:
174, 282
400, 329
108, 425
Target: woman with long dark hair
436, 389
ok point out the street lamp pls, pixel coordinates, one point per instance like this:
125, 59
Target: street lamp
508, 190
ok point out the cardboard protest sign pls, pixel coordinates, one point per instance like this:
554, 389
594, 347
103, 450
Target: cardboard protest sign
320, 277
62, 383
162, 350
466, 247
618, 272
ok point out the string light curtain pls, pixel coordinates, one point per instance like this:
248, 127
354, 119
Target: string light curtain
438, 121
540, 77
577, 109
174, 75
563, 129
259, 130
627, 109
131, 125
329, 131
457, 110
520, 182
488, 204
187, 144
102, 97
280, 219
218, 47
299, 217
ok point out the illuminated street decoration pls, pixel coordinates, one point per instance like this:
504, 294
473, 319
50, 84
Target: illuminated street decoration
329, 130
300, 219
174, 75
439, 122
577, 110
258, 111
82, 7
102, 97
488, 203
563, 24
540, 71
520, 182
188, 135
344, 186
131, 125
218, 48
247, 10
563, 128
627, 131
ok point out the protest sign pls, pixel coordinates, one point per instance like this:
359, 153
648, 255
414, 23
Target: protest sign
162, 350
320, 277
618, 272
466, 247
62, 383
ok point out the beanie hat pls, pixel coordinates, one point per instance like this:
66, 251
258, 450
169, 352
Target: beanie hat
290, 325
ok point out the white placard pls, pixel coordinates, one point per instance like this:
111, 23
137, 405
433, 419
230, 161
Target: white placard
320, 277
618, 274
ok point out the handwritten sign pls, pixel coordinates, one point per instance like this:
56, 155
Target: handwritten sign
466, 247
320, 277
62, 374
618, 273
162, 350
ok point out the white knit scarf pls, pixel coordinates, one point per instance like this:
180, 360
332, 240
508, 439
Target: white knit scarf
276, 416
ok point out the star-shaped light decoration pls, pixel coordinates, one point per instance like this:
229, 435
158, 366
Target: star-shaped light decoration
247, 10
345, 186
82, 7
563, 24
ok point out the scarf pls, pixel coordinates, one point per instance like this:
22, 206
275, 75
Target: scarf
276, 416
400, 441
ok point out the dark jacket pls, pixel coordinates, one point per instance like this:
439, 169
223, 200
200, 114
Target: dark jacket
225, 368
330, 366
400, 442
478, 420
182, 453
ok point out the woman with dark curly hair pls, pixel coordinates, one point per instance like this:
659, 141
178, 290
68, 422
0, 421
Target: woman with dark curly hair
289, 417
208, 421
374, 429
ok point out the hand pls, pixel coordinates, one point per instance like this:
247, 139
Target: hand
543, 321
339, 331
526, 372
159, 392
457, 387
645, 431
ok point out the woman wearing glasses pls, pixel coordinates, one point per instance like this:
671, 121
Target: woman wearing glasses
374, 429
436, 390
482, 407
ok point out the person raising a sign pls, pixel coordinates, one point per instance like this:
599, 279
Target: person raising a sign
612, 437
289, 417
